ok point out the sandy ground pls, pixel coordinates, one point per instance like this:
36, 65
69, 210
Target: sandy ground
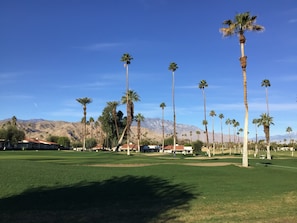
187, 164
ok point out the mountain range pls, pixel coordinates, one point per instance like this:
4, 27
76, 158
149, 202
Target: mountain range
150, 128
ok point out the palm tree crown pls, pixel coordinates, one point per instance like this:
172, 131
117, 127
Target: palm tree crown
241, 23
126, 58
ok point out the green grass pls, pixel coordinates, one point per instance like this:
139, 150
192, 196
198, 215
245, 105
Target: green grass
58, 186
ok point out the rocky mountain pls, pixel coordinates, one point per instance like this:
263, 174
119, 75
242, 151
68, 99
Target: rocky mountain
151, 128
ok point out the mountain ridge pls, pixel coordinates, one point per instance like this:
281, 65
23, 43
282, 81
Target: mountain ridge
151, 127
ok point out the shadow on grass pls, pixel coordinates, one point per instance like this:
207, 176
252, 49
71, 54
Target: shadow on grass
120, 199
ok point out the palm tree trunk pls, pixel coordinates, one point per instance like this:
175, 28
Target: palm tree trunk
174, 117
243, 60
85, 127
267, 101
163, 130
128, 118
206, 131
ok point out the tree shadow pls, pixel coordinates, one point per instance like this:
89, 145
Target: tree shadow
119, 199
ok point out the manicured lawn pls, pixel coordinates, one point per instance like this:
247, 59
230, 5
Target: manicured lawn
68, 186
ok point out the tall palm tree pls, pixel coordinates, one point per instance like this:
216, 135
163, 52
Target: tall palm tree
202, 85
14, 120
266, 83
212, 113
289, 130
139, 118
242, 22
173, 67
256, 122
84, 101
129, 98
229, 123
114, 105
198, 134
163, 105
126, 58
221, 116
91, 121
265, 120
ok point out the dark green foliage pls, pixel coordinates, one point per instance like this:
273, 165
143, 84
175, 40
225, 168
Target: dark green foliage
53, 138
108, 126
11, 135
90, 143
197, 145
64, 141
61, 140
168, 141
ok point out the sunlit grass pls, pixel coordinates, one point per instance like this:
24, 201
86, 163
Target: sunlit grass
164, 191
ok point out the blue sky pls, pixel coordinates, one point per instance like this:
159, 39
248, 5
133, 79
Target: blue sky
53, 52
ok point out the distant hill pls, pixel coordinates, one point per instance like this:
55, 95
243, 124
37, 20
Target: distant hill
151, 129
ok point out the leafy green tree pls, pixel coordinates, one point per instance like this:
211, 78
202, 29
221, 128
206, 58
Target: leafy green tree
84, 102
114, 105
52, 138
173, 67
108, 125
197, 145
11, 135
64, 141
242, 22
91, 143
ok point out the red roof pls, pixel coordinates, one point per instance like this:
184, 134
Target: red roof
177, 147
39, 141
132, 146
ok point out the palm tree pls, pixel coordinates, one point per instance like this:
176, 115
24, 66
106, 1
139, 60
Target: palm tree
129, 98
212, 113
265, 120
229, 123
139, 118
266, 83
91, 121
173, 67
114, 105
14, 120
126, 58
202, 85
163, 105
242, 22
221, 116
289, 130
198, 134
84, 101
235, 125
256, 122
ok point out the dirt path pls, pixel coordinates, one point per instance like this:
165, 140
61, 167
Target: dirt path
150, 164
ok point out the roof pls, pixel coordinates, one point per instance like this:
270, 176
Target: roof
177, 147
38, 141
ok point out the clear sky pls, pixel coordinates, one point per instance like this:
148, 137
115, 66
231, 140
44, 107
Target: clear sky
55, 51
